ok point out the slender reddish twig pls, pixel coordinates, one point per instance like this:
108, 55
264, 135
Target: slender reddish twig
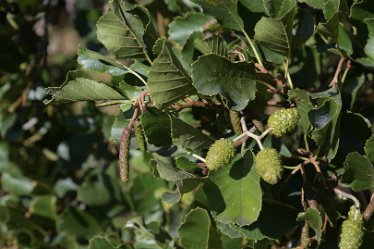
369, 210
189, 104
339, 68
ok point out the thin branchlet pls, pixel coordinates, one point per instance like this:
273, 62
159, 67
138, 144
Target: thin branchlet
369, 210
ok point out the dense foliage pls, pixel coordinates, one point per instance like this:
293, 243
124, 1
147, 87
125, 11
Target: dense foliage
207, 124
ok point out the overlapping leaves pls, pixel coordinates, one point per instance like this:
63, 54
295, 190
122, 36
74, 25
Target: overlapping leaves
168, 81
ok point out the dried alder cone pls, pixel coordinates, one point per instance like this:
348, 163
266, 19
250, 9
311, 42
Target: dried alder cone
220, 154
269, 165
283, 121
352, 230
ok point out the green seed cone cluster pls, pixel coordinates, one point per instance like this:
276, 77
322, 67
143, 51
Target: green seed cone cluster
235, 122
352, 230
139, 136
269, 165
283, 121
220, 154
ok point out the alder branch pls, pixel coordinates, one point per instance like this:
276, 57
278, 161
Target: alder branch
338, 70
344, 196
189, 104
369, 210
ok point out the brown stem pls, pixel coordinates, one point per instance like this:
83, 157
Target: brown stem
324, 227
188, 104
339, 68
304, 238
261, 68
369, 210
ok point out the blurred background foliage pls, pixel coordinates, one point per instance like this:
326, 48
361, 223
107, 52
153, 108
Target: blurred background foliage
59, 179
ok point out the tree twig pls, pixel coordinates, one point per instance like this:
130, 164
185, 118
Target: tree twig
343, 195
369, 210
335, 80
189, 104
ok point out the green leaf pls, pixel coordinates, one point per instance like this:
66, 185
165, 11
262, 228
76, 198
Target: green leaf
119, 123
358, 172
362, 9
331, 8
98, 242
63, 186
143, 193
234, 191
78, 88
98, 190
194, 231
78, 223
122, 32
168, 81
235, 81
18, 185
369, 47
214, 45
271, 213
4, 214
140, 68
253, 6
355, 130
323, 115
278, 8
44, 206
304, 105
224, 10
352, 87
276, 34
167, 169
317, 4
305, 26
188, 137
90, 60
344, 41
329, 30
314, 220
157, 127
326, 122
182, 27
369, 148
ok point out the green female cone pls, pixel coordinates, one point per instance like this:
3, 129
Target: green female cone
235, 122
220, 154
352, 230
283, 121
139, 136
269, 165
